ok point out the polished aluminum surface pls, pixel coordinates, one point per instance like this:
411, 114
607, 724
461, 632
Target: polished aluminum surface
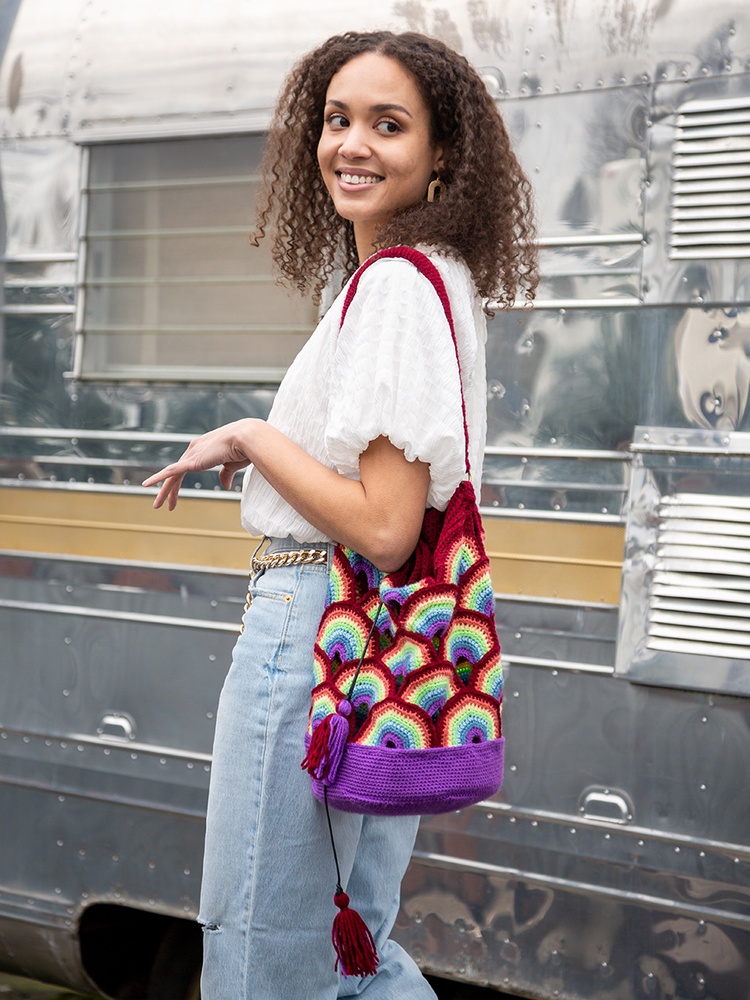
616, 862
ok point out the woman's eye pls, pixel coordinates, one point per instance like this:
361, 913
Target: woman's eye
388, 127
337, 121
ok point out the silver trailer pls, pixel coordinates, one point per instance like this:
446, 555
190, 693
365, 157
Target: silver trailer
616, 862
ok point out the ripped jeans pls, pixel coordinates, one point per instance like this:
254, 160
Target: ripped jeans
269, 875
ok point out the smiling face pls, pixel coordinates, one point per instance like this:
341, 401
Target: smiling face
375, 152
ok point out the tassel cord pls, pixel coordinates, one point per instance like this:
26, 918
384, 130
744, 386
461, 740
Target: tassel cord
374, 625
333, 842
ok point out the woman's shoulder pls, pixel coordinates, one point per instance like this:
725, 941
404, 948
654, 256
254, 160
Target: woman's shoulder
402, 271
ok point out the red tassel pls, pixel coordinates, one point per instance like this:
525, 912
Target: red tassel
353, 943
328, 744
318, 745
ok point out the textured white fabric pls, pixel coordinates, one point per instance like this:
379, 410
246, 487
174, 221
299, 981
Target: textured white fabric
390, 371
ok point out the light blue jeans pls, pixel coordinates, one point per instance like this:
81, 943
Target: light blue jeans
269, 876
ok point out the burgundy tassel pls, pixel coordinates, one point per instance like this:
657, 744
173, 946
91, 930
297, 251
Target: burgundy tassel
356, 954
328, 743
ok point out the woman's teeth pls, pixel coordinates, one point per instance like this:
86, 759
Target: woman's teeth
360, 179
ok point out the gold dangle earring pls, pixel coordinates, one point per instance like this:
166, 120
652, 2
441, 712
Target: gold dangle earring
434, 190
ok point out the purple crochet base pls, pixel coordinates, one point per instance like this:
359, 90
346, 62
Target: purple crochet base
387, 782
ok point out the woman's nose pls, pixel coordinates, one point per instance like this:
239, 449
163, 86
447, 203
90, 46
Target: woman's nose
354, 143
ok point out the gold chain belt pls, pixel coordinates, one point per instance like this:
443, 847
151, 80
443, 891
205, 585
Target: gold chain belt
287, 557
292, 557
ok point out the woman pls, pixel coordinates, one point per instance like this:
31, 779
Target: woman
378, 140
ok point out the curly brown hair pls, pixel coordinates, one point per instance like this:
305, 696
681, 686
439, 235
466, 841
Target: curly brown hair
484, 214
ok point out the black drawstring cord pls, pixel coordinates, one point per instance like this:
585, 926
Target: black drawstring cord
339, 887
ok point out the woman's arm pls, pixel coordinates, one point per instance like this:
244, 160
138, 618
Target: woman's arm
379, 516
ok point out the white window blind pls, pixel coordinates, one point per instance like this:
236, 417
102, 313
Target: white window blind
172, 288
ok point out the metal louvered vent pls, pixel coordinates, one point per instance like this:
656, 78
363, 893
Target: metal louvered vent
711, 181
700, 595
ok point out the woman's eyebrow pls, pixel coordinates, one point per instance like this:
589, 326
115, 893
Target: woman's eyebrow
379, 108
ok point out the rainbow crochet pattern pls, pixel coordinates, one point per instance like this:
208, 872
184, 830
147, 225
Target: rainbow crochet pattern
431, 688
469, 717
398, 726
365, 686
345, 633
407, 654
408, 684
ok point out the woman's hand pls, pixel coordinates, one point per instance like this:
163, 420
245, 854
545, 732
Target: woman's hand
223, 447
378, 515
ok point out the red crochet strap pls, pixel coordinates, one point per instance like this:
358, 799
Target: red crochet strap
425, 266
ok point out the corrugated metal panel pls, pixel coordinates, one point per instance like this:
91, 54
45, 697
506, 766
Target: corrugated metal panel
700, 596
710, 214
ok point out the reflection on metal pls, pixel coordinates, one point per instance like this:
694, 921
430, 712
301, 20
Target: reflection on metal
711, 351
711, 180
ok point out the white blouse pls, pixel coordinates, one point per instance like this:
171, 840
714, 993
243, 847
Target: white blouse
391, 370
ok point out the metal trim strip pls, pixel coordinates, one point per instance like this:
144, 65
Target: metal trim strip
569, 666
720, 917
127, 616
114, 561
120, 800
126, 746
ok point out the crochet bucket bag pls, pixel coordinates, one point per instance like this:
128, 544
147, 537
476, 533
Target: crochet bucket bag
406, 705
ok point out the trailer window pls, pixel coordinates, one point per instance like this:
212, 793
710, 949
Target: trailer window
172, 288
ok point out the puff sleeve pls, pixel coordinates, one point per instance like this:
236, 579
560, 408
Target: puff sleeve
394, 373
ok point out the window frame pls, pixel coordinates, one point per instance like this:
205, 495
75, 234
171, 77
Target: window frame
165, 374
